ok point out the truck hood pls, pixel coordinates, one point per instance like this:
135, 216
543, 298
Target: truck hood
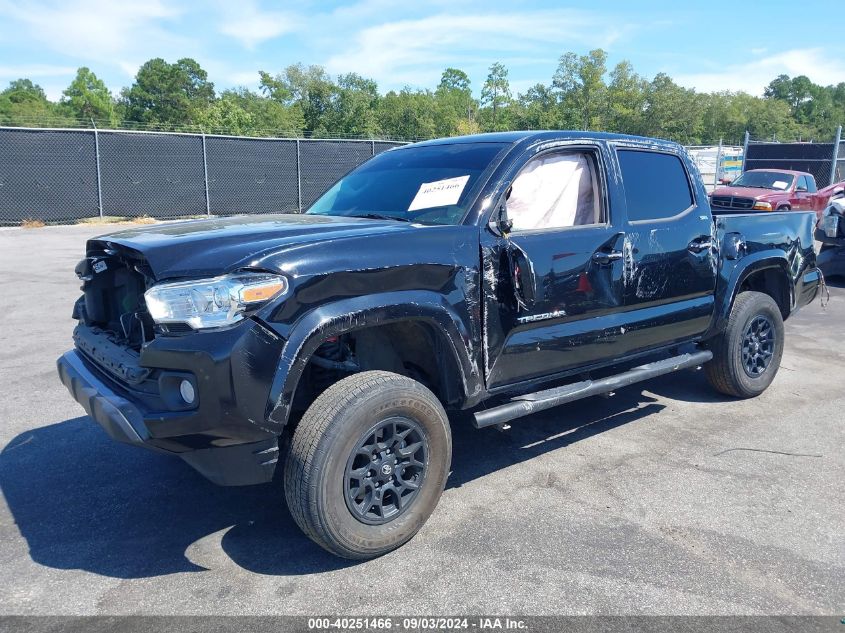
203, 248
748, 192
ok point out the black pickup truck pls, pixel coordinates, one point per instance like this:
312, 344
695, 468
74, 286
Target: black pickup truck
501, 274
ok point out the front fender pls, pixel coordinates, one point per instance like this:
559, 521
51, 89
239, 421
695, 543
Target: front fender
355, 313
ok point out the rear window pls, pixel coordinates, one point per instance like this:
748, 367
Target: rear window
656, 184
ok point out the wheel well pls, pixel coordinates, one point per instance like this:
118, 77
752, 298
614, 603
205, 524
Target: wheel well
773, 282
783, 207
410, 348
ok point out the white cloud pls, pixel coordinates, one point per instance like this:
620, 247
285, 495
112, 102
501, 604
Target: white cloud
57, 77
35, 70
407, 51
251, 26
752, 77
92, 29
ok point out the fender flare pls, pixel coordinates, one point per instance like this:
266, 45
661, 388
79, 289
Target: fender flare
356, 313
742, 270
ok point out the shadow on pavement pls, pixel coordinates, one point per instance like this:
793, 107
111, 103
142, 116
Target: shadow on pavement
84, 502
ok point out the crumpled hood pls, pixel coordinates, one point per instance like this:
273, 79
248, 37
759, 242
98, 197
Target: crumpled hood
202, 248
748, 192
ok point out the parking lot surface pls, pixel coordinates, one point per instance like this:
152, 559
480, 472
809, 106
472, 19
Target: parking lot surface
666, 498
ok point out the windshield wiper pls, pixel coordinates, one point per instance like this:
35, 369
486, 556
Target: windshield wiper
381, 216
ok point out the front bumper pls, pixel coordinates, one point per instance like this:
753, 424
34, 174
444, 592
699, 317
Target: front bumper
225, 437
121, 419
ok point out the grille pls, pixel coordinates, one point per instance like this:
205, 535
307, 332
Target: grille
731, 202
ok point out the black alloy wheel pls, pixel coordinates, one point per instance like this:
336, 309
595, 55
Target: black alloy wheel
758, 346
385, 471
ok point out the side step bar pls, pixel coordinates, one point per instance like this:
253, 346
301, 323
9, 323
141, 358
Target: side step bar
542, 400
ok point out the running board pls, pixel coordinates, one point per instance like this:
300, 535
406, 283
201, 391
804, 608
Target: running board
542, 400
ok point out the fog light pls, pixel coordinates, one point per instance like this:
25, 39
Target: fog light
187, 391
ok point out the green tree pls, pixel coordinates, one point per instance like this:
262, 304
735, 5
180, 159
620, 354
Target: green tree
87, 97
309, 88
581, 91
24, 91
496, 96
407, 114
269, 117
226, 116
24, 103
672, 111
168, 94
353, 108
626, 97
456, 108
454, 79
537, 109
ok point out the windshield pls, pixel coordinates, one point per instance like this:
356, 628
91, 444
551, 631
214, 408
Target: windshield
764, 180
432, 184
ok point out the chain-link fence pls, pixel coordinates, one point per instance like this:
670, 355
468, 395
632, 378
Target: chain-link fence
825, 161
63, 175
720, 163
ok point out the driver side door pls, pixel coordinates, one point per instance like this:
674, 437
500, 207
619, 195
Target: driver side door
553, 284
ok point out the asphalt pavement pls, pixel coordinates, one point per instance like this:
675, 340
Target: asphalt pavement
664, 499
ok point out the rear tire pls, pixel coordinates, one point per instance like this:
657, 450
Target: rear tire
367, 464
747, 354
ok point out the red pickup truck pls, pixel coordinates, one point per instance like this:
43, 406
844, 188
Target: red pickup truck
769, 190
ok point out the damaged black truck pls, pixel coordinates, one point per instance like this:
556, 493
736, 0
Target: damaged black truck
498, 274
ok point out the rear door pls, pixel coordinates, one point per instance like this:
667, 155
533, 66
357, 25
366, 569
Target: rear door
670, 263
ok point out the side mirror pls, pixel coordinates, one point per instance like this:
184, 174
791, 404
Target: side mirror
522, 276
500, 224
801, 188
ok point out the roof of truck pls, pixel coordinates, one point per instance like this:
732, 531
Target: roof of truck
542, 135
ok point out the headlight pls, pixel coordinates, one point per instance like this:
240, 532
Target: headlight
216, 302
762, 206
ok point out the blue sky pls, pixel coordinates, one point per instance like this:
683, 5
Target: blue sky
707, 46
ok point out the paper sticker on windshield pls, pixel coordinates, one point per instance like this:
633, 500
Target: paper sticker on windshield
780, 184
439, 193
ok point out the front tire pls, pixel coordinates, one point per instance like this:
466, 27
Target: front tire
367, 464
747, 354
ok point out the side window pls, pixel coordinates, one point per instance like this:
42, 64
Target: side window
656, 184
802, 183
556, 190
811, 184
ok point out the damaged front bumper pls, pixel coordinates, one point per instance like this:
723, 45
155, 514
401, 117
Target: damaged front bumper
224, 434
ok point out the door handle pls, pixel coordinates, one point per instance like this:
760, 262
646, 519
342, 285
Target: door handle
605, 257
699, 246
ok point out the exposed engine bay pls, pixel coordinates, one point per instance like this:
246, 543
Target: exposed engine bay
113, 285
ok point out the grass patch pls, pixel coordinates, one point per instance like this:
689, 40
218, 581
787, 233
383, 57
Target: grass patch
32, 223
117, 219
143, 219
